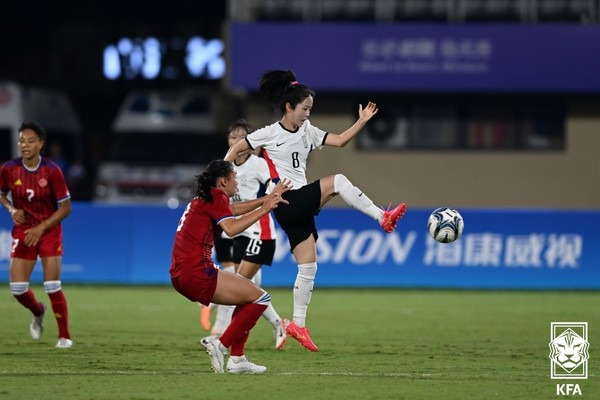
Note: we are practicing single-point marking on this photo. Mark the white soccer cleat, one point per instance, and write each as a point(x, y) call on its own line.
point(216, 352)
point(279, 333)
point(36, 328)
point(243, 366)
point(64, 343)
point(204, 340)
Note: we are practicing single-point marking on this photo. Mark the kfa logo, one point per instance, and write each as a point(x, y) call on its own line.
point(569, 350)
point(569, 354)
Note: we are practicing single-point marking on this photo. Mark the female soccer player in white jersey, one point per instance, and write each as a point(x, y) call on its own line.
point(286, 145)
point(255, 246)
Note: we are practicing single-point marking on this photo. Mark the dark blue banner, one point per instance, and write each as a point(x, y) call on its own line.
point(419, 57)
point(499, 249)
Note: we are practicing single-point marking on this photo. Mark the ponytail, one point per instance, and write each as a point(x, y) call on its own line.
point(281, 87)
point(208, 179)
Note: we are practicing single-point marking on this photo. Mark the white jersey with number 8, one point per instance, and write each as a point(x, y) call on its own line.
point(285, 151)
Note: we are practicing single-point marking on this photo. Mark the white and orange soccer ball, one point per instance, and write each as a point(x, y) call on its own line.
point(445, 224)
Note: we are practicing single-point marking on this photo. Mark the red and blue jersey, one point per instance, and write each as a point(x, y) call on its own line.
point(36, 191)
point(195, 234)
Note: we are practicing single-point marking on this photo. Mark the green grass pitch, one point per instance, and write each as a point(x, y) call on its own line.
point(141, 343)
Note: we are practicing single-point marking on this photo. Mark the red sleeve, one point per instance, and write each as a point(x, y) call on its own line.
point(58, 185)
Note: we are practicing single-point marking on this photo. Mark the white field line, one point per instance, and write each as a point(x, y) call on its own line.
point(108, 373)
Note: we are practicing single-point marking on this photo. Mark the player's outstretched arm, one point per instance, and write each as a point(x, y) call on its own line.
point(246, 206)
point(364, 115)
point(236, 149)
point(234, 226)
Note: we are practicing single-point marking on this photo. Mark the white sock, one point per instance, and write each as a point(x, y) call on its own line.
point(356, 198)
point(257, 278)
point(271, 315)
point(303, 291)
point(224, 313)
point(223, 319)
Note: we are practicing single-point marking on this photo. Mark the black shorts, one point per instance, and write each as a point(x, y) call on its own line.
point(253, 250)
point(297, 219)
point(224, 249)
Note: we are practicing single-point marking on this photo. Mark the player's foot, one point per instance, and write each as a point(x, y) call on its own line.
point(391, 217)
point(204, 340)
point(279, 333)
point(217, 352)
point(36, 328)
point(243, 366)
point(205, 317)
point(64, 343)
point(302, 335)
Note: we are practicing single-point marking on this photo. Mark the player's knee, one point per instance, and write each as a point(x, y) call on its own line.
point(340, 183)
point(52, 286)
point(19, 288)
point(264, 299)
point(307, 271)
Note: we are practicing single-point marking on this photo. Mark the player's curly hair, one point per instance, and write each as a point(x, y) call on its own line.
point(37, 129)
point(208, 179)
point(280, 87)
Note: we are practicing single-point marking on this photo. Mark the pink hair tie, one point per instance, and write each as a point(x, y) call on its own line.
point(294, 83)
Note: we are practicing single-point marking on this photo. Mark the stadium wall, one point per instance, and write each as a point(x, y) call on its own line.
point(500, 248)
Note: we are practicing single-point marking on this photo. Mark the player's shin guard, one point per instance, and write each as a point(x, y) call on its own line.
point(244, 319)
point(303, 291)
point(355, 198)
point(59, 307)
point(25, 296)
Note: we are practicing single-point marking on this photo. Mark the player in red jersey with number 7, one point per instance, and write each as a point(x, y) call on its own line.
point(286, 146)
point(40, 201)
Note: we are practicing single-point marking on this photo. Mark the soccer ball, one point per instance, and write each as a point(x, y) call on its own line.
point(445, 225)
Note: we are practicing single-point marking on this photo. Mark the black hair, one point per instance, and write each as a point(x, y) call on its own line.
point(240, 123)
point(208, 179)
point(280, 87)
point(35, 127)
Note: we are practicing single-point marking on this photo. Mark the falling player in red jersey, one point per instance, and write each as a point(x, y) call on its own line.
point(40, 201)
point(195, 276)
point(250, 250)
point(286, 146)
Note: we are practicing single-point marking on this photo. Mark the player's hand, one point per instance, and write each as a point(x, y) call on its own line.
point(368, 112)
point(33, 235)
point(282, 186)
point(273, 200)
point(18, 216)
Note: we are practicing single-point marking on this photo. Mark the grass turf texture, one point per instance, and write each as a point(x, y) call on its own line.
point(141, 343)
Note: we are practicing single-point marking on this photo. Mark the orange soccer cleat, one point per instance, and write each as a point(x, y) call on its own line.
point(302, 335)
point(391, 217)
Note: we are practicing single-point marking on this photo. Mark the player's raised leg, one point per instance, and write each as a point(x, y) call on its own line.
point(354, 197)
